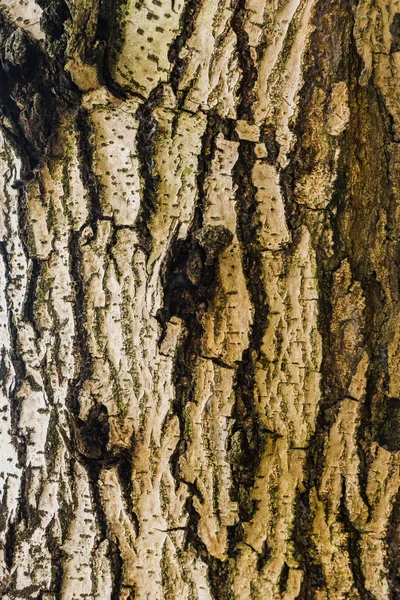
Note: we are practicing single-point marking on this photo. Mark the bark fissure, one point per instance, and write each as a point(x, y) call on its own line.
point(247, 421)
point(354, 548)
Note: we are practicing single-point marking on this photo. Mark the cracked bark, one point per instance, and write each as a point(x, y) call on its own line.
point(199, 308)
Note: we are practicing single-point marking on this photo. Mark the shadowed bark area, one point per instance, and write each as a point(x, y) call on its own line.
point(199, 307)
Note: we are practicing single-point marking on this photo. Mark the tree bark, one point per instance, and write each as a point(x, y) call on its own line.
point(199, 308)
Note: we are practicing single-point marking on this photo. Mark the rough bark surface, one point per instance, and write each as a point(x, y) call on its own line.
point(199, 306)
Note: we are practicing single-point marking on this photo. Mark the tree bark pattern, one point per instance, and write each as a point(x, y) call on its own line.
point(199, 261)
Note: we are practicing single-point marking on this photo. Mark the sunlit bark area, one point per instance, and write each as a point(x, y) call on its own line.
point(199, 299)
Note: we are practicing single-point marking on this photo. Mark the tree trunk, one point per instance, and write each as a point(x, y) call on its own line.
point(200, 311)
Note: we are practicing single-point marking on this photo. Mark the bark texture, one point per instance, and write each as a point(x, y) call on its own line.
point(199, 306)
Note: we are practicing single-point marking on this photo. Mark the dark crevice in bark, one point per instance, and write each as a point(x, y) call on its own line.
point(187, 25)
point(183, 380)
point(89, 179)
point(23, 220)
point(249, 70)
point(81, 350)
point(205, 159)
point(218, 570)
point(215, 125)
point(393, 553)
point(110, 29)
point(54, 22)
point(5, 373)
point(54, 14)
point(264, 556)
point(4, 512)
point(52, 440)
point(247, 429)
point(395, 31)
point(56, 554)
point(268, 137)
point(388, 433)
point(247, 422)
point(145, 143)
point(364, 434)
point(33, 86)
point(219, 578)
point(305, 549)
point(33, 278)
point(188, 273)
point(189, 277)
point(283, 579)
point(9, 544)
point(24, 86)
point(182, 269)
point(93, 471)
point(125, 461)
point(27, 517)
point(354, 550)
point(116, 563)
point(66, 509)
point(4, 256)
point(91, 435)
